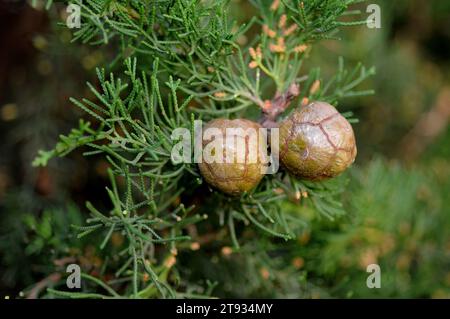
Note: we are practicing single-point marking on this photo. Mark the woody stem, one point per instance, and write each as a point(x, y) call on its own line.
point(278, 105)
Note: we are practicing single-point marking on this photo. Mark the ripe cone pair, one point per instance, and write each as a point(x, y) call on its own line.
point(316, 143)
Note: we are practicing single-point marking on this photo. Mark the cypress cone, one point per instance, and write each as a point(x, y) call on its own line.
point(316, 142)
point(237, 177)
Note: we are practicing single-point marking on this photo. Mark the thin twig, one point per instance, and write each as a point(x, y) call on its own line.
point(272, 109)
point(36, 290)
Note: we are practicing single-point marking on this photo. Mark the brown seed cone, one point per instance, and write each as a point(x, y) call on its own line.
point(316, 142)
point(236, 177)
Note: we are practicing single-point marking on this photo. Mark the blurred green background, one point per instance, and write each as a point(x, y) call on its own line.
point(398, 197)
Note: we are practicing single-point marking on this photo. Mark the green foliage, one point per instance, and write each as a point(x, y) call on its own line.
point(183, 61)
point(399, 220)
point(42, 239)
